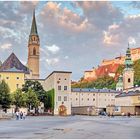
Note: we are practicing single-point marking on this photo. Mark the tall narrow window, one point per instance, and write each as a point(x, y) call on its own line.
point(65, 87)
point(129, 80)
point(34, 51)
point(65, 98)
point(59, 98)
point(59, 87)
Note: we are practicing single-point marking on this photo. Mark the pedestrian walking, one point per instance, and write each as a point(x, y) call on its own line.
point(108, 114)
point(123, 114)
point(17, 115)
point(21, 115)
point(24, 115)
point(128, 114)
point(112, 115)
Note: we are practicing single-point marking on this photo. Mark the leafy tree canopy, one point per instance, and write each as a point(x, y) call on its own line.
point(5, 99)
point(102, 82)
point(37, 88)
point(18, 98)
point(49, 104)
point(31, 99)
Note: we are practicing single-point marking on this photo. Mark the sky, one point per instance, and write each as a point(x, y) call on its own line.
point(74, 36)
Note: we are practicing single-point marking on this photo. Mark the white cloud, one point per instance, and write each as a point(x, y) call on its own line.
point(66, 57)
point(52, 61)
point(53, 49)
point(6, 46)
point(132, 41)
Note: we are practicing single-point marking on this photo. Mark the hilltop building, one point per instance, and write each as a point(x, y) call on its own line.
point(109, 67)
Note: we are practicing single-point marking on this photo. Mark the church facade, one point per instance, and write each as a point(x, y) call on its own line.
point(15, 74)
point(129, 98)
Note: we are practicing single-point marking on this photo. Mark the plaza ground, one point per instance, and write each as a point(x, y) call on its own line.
point(85, 127)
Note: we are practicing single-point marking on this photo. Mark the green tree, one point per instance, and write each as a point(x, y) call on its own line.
point(5, 99)
point(37, 88)
point(18, 98)
point(31, 99)
point(136, 67)
point(120, 69)
point(50, 99)
point(102, 82)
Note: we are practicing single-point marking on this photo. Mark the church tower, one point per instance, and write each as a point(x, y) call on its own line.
point(33, 49)
point(128, 73)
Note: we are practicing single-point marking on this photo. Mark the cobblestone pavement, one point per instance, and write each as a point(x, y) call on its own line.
point(85, 127)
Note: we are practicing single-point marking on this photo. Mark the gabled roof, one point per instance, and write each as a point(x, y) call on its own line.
point(58, 72)
point(106, 69)
point(12, 63)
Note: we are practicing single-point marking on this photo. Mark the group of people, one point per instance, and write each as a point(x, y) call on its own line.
point(110, 114)
point(20, 115)
point(127, 114)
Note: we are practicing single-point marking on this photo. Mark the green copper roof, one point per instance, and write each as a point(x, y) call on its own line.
point(128, 60)
point(34, 27)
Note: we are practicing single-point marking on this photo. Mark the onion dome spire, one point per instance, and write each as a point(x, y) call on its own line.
point(128, 60)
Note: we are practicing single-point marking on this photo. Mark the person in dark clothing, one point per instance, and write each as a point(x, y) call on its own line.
point(21, 115)
point(128, 114)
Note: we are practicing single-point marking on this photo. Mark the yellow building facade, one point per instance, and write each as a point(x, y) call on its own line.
point(13, 79)
point(13, 72)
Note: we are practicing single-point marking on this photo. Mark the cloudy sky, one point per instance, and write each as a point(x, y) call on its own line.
point(75, 36)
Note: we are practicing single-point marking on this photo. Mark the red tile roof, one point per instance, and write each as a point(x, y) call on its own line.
point(106, 69)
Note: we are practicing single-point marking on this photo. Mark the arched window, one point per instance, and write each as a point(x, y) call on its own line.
point(34, 51)
point(129, 80)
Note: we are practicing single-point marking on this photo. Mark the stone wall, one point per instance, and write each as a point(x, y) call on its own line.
point(84, 110)
point(122, 109)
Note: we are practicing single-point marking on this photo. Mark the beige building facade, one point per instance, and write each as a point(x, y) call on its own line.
point(126, 102)
point(98, 99)
point(60, 81)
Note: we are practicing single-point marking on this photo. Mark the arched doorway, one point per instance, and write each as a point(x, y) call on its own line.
point(62, 110)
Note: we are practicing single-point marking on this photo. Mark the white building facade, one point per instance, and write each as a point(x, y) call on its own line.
point(97, 98)
point(60, 81)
